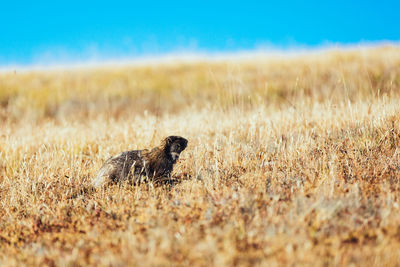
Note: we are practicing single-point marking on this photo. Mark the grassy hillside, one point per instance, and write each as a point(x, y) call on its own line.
point(291, 160)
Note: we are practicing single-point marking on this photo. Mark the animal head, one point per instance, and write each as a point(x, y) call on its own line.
point(174, 145)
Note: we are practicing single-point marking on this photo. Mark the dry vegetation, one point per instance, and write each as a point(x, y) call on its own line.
point(290, 161)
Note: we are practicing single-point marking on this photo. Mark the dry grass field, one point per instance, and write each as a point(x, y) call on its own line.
point(291, 161)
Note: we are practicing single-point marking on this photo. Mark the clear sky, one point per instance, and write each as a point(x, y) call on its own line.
point(39, 31)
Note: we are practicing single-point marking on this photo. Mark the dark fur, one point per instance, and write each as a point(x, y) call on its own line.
point(142, 165)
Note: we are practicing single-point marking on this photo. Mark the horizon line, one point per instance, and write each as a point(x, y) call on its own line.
point(176, 57)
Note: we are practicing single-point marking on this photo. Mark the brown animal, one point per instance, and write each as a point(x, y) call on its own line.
point(142, 165)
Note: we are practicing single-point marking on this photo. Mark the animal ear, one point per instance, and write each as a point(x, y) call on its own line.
point(169, 140)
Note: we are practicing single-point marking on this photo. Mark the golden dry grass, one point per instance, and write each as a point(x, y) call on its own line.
point(291, 161)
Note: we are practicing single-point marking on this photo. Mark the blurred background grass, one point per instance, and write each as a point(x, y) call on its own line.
point(116, 91)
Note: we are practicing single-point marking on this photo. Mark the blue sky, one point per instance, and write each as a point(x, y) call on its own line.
point(55, 31)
